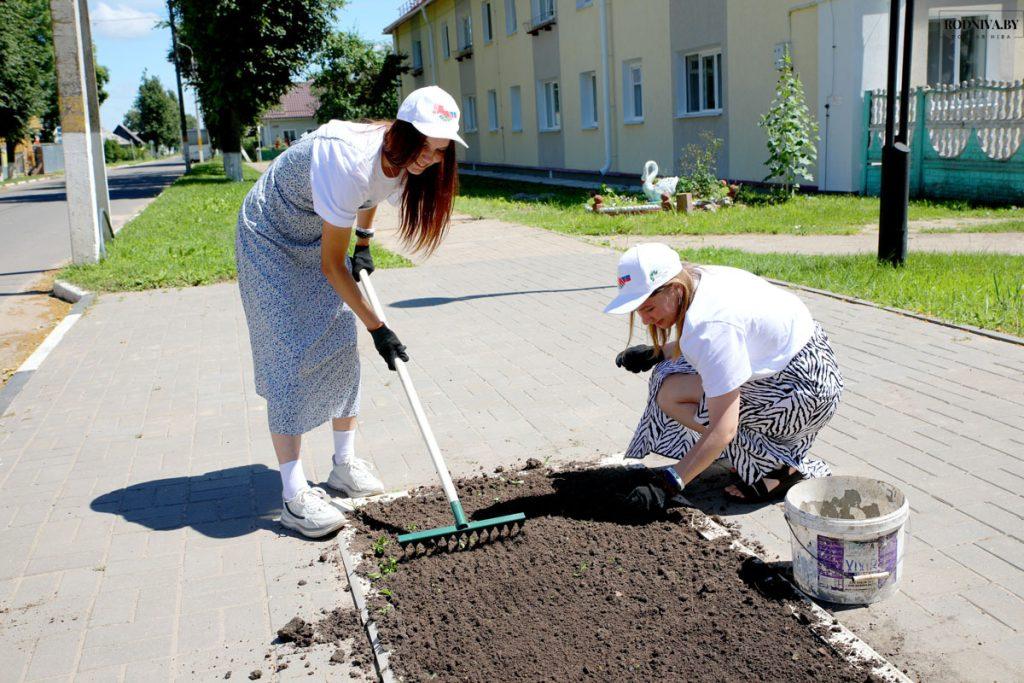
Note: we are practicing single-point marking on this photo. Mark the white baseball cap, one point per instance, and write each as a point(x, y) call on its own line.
point(433, 112)
point(642, 269)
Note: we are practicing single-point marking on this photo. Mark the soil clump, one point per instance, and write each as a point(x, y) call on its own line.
point(585, 591)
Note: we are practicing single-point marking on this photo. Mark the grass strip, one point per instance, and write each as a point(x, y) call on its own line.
point(983, 290)
point(562, 209)
point(185, 238)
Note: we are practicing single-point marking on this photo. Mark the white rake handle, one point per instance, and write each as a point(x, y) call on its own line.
point(414, 399)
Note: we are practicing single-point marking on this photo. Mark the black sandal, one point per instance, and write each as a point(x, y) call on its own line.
point(752, 494)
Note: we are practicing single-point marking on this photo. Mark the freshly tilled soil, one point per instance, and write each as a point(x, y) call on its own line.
point(586, 591)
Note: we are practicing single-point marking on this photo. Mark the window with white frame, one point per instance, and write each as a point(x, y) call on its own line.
point(466, 32)
point(515, 105)
point(957, 49)
point(549, 107)
point(446, 45)
point(632, 91)
point(699, 82)
point(417, 54)
point(492, 110)
point(488, 30)
point(588, 99)
point(510, 17)
point(469, 112)
point(542, 10)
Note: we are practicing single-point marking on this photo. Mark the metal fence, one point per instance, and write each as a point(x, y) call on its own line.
point(965, 146)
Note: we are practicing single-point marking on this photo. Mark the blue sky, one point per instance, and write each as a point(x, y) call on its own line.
point(127, 43)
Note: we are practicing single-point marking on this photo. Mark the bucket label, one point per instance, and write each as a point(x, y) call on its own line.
point(830, 563)
point(887, 553)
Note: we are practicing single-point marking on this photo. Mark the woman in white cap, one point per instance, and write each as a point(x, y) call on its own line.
point(299, 288)
point(747, 375)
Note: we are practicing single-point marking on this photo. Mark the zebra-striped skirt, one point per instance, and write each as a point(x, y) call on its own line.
point(780, 415)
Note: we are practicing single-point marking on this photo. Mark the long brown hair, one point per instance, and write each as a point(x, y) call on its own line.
point(426, 198)
point(685, 285)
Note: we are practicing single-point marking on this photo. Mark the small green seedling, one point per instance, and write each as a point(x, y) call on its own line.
point(380, 545)
point(388, 565)
point(580, 569)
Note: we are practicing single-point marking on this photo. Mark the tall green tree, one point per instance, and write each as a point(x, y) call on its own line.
point(791, 131)
point(357, 80)
point(243, 56)
point(154, 116)
point(22, 65)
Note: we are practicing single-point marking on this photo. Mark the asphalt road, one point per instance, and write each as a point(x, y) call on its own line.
point(34, 220)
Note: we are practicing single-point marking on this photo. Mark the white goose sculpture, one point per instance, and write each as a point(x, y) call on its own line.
point(654, 188)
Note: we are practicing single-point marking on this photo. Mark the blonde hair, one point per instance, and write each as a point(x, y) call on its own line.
point(685, 283)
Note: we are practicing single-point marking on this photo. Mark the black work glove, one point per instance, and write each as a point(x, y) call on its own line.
point(362, 260)
point(388, 346)
point(639, 358)
point(654, 497)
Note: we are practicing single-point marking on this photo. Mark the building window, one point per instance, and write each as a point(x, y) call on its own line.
point(542, 10)
point(417, 55)
point(510, 17)
point(446, 45)
point(633, 92)
point(466, 32)
point(469, 112)
point(492, 110)
point(957, 49)
point(699, 89)
point(515, 103)
point(289, 136)
point(580, 4)
point(549, 107)
point(488, 32)
point(588, 99)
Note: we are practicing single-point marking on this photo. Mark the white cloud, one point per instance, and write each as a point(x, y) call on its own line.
point(125, 20)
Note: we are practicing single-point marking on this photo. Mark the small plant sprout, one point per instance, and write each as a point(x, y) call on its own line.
point(388, 565)
point(380, 545)
point(583, 567)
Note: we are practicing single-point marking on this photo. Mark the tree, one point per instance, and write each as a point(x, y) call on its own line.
point(22, 61)
point(243, 55)
point(791, 131)
point(154, 116)
point(357, 80)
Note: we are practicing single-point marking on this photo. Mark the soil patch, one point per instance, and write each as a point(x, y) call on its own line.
point(586, 591)
point(25, 320)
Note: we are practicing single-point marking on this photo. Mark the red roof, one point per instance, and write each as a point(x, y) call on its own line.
point(298, 103)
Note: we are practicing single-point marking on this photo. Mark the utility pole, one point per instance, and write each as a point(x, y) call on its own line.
point(85, 172)
point(181, 99)
point(895, 185)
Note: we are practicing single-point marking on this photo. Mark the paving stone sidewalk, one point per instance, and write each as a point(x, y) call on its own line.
point(138, 487)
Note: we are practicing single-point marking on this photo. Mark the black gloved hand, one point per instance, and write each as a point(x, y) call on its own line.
point(388, 346)
point(362, 260)
point(639, 358)
point(646, 499)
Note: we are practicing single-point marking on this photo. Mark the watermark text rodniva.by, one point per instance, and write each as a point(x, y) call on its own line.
point(999, 25)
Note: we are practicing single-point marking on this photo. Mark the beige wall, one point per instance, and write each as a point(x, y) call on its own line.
point(580, 52)
point(516, 67)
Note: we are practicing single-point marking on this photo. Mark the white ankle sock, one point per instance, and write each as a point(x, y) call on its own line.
point(344, 446)
point(293, 479)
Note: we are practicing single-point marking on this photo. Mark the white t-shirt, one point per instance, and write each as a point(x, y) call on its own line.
point(740, 327)
point(346, 174)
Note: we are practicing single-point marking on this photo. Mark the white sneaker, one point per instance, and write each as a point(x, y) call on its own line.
point(355, 479)
point(312, 513)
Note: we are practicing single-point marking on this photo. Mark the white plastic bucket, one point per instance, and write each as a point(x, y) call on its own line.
point(847, 537)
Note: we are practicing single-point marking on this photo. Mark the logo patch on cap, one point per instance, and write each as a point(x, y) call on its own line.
point(444, 114)
point(624, 279)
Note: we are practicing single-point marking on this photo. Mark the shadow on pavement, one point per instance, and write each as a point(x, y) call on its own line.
point(221, 504)
point(134, 186)
point(442, 300)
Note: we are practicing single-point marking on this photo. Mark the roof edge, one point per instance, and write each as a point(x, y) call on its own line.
point(405, 17)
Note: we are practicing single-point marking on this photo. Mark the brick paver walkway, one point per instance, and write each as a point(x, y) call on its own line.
point(138, 489)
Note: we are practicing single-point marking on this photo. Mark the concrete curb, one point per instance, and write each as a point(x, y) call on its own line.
point(350, 563)
point(16, 183)
point(25, 371)
point(991, 334)
point(66, 291)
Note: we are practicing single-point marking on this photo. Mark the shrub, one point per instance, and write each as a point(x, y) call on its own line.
point(698, 164)
point(791, 132)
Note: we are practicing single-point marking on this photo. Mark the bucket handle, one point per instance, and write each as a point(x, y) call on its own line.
point(856, 578)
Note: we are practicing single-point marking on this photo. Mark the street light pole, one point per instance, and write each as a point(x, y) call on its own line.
point(895, 185)
point(181, 99)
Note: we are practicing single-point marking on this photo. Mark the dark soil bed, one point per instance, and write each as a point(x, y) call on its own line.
point(583, 592)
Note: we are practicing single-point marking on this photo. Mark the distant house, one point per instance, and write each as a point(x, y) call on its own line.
point(123, 136)
point(293, 116)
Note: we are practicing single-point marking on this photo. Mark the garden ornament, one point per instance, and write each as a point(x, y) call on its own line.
point(654, 187)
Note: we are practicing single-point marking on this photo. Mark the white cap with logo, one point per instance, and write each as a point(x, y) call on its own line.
point(642, 269)
point(433, 112)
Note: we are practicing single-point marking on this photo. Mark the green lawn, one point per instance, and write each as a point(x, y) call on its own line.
point(984, 290)
point(562, 209)
point(185, 238)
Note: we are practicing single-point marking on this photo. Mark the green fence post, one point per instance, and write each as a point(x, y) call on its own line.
point(917, 143)
point(865, 138)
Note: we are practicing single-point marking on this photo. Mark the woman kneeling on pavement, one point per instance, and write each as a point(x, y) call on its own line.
point(299, 287)
point(750, 376)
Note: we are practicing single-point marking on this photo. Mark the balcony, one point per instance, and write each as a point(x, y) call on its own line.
point(464, 53)
point(416, 71)
point(541, 22)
